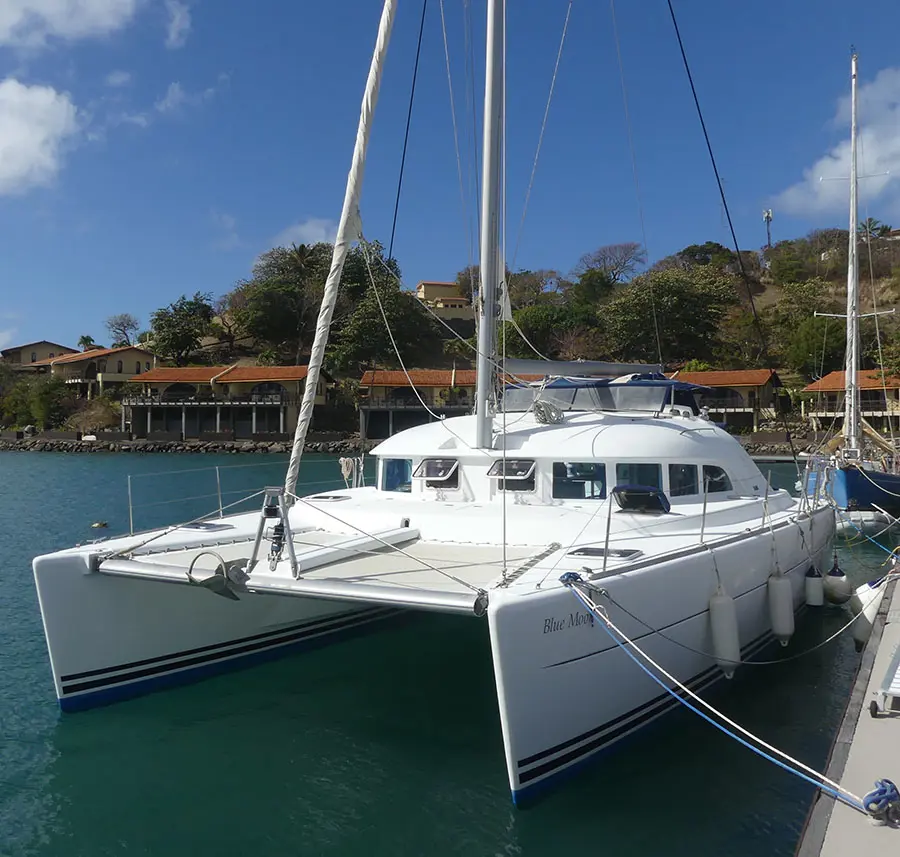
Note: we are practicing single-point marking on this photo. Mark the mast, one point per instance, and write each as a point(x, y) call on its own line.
point(348, 232)
point(851, 364)
point(491, 265)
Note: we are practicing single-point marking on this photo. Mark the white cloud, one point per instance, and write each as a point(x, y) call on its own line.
point(35, 123)
point(6, 337)
point(177, 96)
point(118, 78)
point(30, 23)
point(173, 99)
point(227, 227)
point(179, 24)
point(310, 231)
point(824, 188)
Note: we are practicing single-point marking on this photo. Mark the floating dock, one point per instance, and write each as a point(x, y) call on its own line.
point(866, 749)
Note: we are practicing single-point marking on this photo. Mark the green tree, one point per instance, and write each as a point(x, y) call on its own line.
point(620, 262)
point(690, 307)
point(816, 347)
point(591, 287)
point(16, 401)
point(363, 340)
point(531, 287)
point(871, 228)
point(122, 328)
point(178, 328)
point(49, 401)
point(85, 342)
point(549, 328)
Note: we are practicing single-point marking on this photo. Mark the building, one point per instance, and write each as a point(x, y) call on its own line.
point(390, 403)
point(98, 370)
point(445, 300)
point(216, 402)
point(879, 399)
point(740, 397)
point(31, 353)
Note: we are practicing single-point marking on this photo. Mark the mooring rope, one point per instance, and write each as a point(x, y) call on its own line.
point(876, 803)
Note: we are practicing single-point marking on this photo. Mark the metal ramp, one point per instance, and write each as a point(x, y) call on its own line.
point(890, 687)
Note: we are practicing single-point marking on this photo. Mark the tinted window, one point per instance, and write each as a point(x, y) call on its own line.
point(683, 480)
point(639, 473)
point(716, 479)
point(518, 473)
point(579, 481)
point(396, 474)
point(439, 472)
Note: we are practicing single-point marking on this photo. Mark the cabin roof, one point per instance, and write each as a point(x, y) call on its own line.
point(730, 377)
point(581, 437)
point(833, 382)
point(90, 354)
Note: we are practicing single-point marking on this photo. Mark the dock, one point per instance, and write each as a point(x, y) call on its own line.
point(866, 749)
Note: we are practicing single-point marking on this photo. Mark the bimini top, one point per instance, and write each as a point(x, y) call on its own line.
point(637, 392)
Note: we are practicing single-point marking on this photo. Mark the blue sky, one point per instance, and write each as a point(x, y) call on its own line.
point(150, 148)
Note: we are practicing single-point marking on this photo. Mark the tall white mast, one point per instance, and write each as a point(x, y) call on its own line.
point(851, 364)
point(348, 232)
point(491, 265)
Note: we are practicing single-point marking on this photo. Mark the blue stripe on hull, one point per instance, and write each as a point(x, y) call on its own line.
point(227, 662)
point(653, 710)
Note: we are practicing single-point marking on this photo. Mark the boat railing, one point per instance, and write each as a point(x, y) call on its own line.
point(211, 489)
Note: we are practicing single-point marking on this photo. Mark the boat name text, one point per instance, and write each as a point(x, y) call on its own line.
point(573, 620)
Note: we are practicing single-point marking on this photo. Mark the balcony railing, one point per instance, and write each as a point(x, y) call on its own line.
point(210, 401)
point(392, 404)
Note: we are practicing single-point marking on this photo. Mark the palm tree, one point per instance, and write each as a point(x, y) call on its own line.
point(86, 342)
point(872, 228)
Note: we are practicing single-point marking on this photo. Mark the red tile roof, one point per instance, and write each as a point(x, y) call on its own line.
point(419, 378)
point(426, 378)
point(184, 374)
point(264, 373)
point(90, 354)
point(222, 374)
point(730, 377)
point(833, 382)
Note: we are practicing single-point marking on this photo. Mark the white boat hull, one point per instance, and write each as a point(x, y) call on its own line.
point(567, 691)
point(111, 638)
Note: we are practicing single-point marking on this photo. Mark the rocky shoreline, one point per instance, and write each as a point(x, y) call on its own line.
point(347, 446)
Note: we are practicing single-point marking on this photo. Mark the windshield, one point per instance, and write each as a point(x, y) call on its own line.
point(608, 397)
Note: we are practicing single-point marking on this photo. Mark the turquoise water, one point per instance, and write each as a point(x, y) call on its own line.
point(383, 745)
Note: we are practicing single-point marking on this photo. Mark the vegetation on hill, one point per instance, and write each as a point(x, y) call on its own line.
point(691, 308)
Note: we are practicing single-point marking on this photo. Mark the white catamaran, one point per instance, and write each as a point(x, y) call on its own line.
point(608, 471)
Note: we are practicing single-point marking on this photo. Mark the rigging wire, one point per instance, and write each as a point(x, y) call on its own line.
point(412, 95)
point(474, 165)
point(875, 313)
point(740, 258)
point(634, 171)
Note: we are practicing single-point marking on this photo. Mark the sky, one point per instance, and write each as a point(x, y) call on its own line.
point(154, 148)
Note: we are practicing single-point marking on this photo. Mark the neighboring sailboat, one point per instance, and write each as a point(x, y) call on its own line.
point(864, 489)
point(614, 476)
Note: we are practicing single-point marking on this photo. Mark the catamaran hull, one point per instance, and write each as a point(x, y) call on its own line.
point(567, 691)
point(111, 638)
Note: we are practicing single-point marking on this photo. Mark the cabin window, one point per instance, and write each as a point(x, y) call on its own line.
point(639, 473)
point(578, 480)
point(513, 474)
point(396, 474)
point(683, 480)
point(52, 354)
point(716, 479)
point(438, 472)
